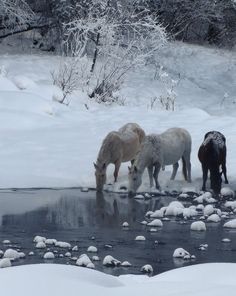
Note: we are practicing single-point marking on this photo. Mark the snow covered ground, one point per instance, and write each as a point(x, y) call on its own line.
point(46, 144)
point(52, 279)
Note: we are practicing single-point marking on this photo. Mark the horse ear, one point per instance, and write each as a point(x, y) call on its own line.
point(96, 167)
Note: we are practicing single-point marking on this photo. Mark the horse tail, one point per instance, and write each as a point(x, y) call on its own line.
point(184, 170)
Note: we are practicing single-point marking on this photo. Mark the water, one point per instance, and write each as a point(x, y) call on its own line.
point(86, 219)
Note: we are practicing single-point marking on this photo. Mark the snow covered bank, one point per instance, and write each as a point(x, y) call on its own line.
point(45, 144)
point(215, 279)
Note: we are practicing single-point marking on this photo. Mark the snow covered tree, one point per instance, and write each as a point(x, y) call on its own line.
point(15, 16)
point(115, 36)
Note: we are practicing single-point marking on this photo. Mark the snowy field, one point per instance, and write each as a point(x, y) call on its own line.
point(46, 144)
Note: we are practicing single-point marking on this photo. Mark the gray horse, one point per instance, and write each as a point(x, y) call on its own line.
point(156, 152)
point(117, 147)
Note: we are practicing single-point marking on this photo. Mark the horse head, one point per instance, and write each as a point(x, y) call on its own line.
point(216, 181)
point(100, 174)
point(135, 179)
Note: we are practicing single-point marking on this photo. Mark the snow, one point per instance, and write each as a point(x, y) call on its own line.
point(40, 245)
point(5, 262)
point(155, 223)
point(62, 244)
point(39, 238)
point(110, 261)
point(208, 210)
point(198, 226)
point(31, 123)
point(49, 255)
point(180, 253)
point(147, 268)
point(11, 254)
point(214, 218)
point(84, 261)
point(174, 208)
point(230, 224)
point(92, 249)
point(216, 279)
point(140, 238)
point(125, 224)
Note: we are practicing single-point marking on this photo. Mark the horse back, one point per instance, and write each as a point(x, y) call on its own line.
point(134, 128)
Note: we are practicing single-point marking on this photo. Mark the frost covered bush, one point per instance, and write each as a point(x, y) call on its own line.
point(115, 38)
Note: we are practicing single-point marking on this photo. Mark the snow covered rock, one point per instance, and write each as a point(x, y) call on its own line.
point(75, 249)
point(227, 192)
point(126, 264)
point(198, 226)
point(205, 198)
point(189, 212)
point(175, 208)
point(230, 224)
point(147, 268)
point(158, 213)
point(49, 255)
point(110, 261)
point(40, 245)
point(50, 241)
point(39, 238)
point(155, 223)
point(95, 258)
point(226, 240)
point(5, 262)
point(63, 244)
point(208, 210)
point(68, 254)
point(83, 260)
point(140, 238)
point(214, 218)
point(6, 242)
point(92, 249)
point(180, 253)
point(11, 254)
point(125, 224)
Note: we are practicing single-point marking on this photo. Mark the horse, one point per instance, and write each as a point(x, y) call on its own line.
point(159, 150)
point(212, 155)
point(117, 147)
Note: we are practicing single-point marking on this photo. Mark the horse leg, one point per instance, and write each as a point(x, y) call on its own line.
point(117, 167)
point(204, 177)
point(155, 175)
point(186, 158)
point(175, 168)
point(150, 172)
point(224, 172)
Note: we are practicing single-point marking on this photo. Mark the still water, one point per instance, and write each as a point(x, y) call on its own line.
point(86, 219)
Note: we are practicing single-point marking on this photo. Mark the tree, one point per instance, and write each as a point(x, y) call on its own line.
point(15, 17)
point(116, 36)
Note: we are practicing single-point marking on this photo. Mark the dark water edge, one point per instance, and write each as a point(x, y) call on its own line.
point(85, 219)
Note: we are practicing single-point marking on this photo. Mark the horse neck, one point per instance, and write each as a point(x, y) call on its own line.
point(143, 159)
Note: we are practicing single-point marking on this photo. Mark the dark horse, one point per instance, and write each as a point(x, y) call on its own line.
point(212, 155)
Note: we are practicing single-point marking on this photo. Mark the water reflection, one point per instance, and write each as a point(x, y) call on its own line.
point(74, 216)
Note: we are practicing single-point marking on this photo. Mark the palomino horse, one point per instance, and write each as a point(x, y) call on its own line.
point(118, 146)
point(212, 155)
point(156, 152)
